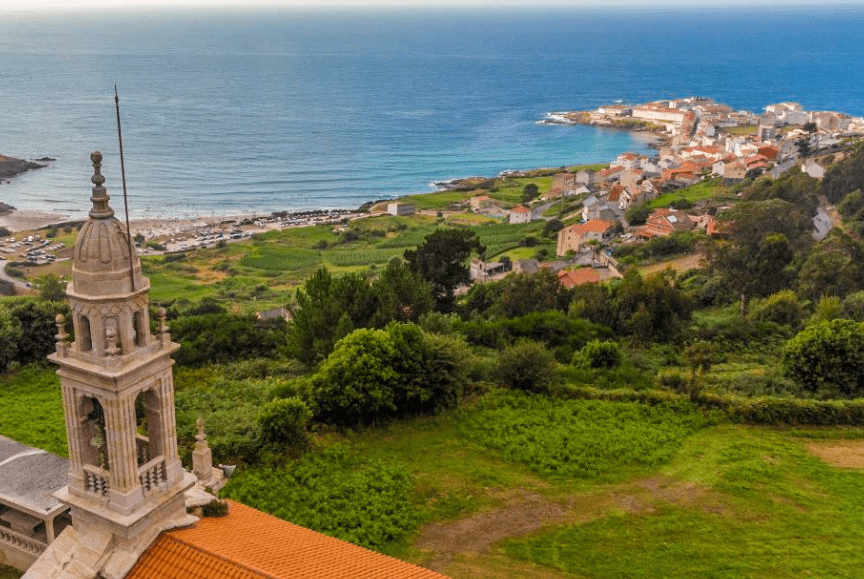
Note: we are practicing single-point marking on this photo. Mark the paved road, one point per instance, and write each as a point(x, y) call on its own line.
point(19, 285)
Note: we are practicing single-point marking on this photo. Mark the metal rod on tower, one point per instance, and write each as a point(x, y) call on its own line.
point(125, 200)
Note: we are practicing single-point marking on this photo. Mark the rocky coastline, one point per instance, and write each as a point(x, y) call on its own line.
point(10, 167)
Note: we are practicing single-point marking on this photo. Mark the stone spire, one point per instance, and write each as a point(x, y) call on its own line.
point(101, 209)
point(126, 483)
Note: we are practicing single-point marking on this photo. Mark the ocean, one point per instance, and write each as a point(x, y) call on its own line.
point(252, 111)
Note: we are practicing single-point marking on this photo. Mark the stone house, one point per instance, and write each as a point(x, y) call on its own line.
point(520, 214)
point(574, 237)
point(400, 209)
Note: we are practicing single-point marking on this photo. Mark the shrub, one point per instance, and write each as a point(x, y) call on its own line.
point(375, 375)
point(782, 308)
point(527, 366)
point(853, 307)
point(673, 380)
point(597, 354)
point(828, 358)
point(283, 422)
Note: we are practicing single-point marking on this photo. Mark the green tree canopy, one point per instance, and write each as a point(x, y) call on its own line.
point(827, 358)
point(441, 260)
point(835, 267)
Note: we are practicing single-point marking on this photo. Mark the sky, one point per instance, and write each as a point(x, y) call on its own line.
point(62, 5)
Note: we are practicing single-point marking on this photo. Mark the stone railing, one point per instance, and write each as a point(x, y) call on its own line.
point(96, 480)
point(143, 448)
point(152, 475)
point(23, 543)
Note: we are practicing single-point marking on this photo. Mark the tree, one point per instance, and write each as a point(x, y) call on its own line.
point(810, 127)
point(835, 267)
point(375, 375)
point(10, 333)
point(215, 338)
point(440, 260)
point(827, 358)
point(762, 240)
point(283, 422)
point(637, 214)
point(803, 146)
point(527, 366)
point(51, 289)
point(844, 177)
point(356, 383)
point(37, 321)
point(326, 310)
point(402, 294)
point(552, 227)
point(529, 193)
point(521, 293)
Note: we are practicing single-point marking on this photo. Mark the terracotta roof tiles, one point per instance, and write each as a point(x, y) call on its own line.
point(249, 544)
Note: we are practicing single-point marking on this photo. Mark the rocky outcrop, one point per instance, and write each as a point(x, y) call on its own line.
point(9, 166)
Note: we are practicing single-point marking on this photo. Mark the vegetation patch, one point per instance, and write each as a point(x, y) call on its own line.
point(581, 438)
point(336, 493)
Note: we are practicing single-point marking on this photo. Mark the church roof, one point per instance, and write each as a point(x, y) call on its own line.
point(249, 544)
point(30, 476)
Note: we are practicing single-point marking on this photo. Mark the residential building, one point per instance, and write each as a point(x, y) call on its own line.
point(574, 237)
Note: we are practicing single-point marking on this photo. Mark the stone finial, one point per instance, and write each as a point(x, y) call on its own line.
point(62, 336)
point(202, 456)
point(201, 437)
point(164, 336)
point(100, 197)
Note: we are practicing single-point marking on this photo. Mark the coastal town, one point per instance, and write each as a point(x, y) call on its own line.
point(698, 140)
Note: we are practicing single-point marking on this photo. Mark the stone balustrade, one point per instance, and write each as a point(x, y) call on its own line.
point(23, 543)
point(152, 475)
point(96, 480)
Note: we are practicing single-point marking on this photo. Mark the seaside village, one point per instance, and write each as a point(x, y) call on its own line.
point(699, 140)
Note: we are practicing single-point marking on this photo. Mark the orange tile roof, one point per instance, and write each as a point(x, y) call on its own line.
point(573, 277)
point(249, 544)
point(594, 225)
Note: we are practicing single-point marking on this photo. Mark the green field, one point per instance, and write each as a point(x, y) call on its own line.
point(572, 488)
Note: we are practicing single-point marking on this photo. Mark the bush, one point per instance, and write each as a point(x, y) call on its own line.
point(827, 358)
point(283, 422)
point(216, 338)
point(375, 375)
point(597, 354)
point(527, 366)
point(782, 308)
point(853, 307)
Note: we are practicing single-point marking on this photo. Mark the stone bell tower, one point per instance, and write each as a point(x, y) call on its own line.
point(126, 483)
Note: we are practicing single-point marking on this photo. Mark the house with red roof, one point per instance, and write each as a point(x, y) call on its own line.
point(574, 237)
point(520, 214)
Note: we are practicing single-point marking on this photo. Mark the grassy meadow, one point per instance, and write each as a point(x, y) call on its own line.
point(512, 485)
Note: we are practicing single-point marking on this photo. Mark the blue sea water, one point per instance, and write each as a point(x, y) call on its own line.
point(238, 111)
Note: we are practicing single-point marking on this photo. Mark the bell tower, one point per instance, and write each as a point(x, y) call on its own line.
point(126, 483)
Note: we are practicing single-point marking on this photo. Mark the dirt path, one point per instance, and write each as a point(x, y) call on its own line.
point(841, 453)
point(679, 264)
point(451, 544)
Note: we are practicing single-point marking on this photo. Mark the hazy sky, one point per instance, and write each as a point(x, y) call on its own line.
point(57, 5)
